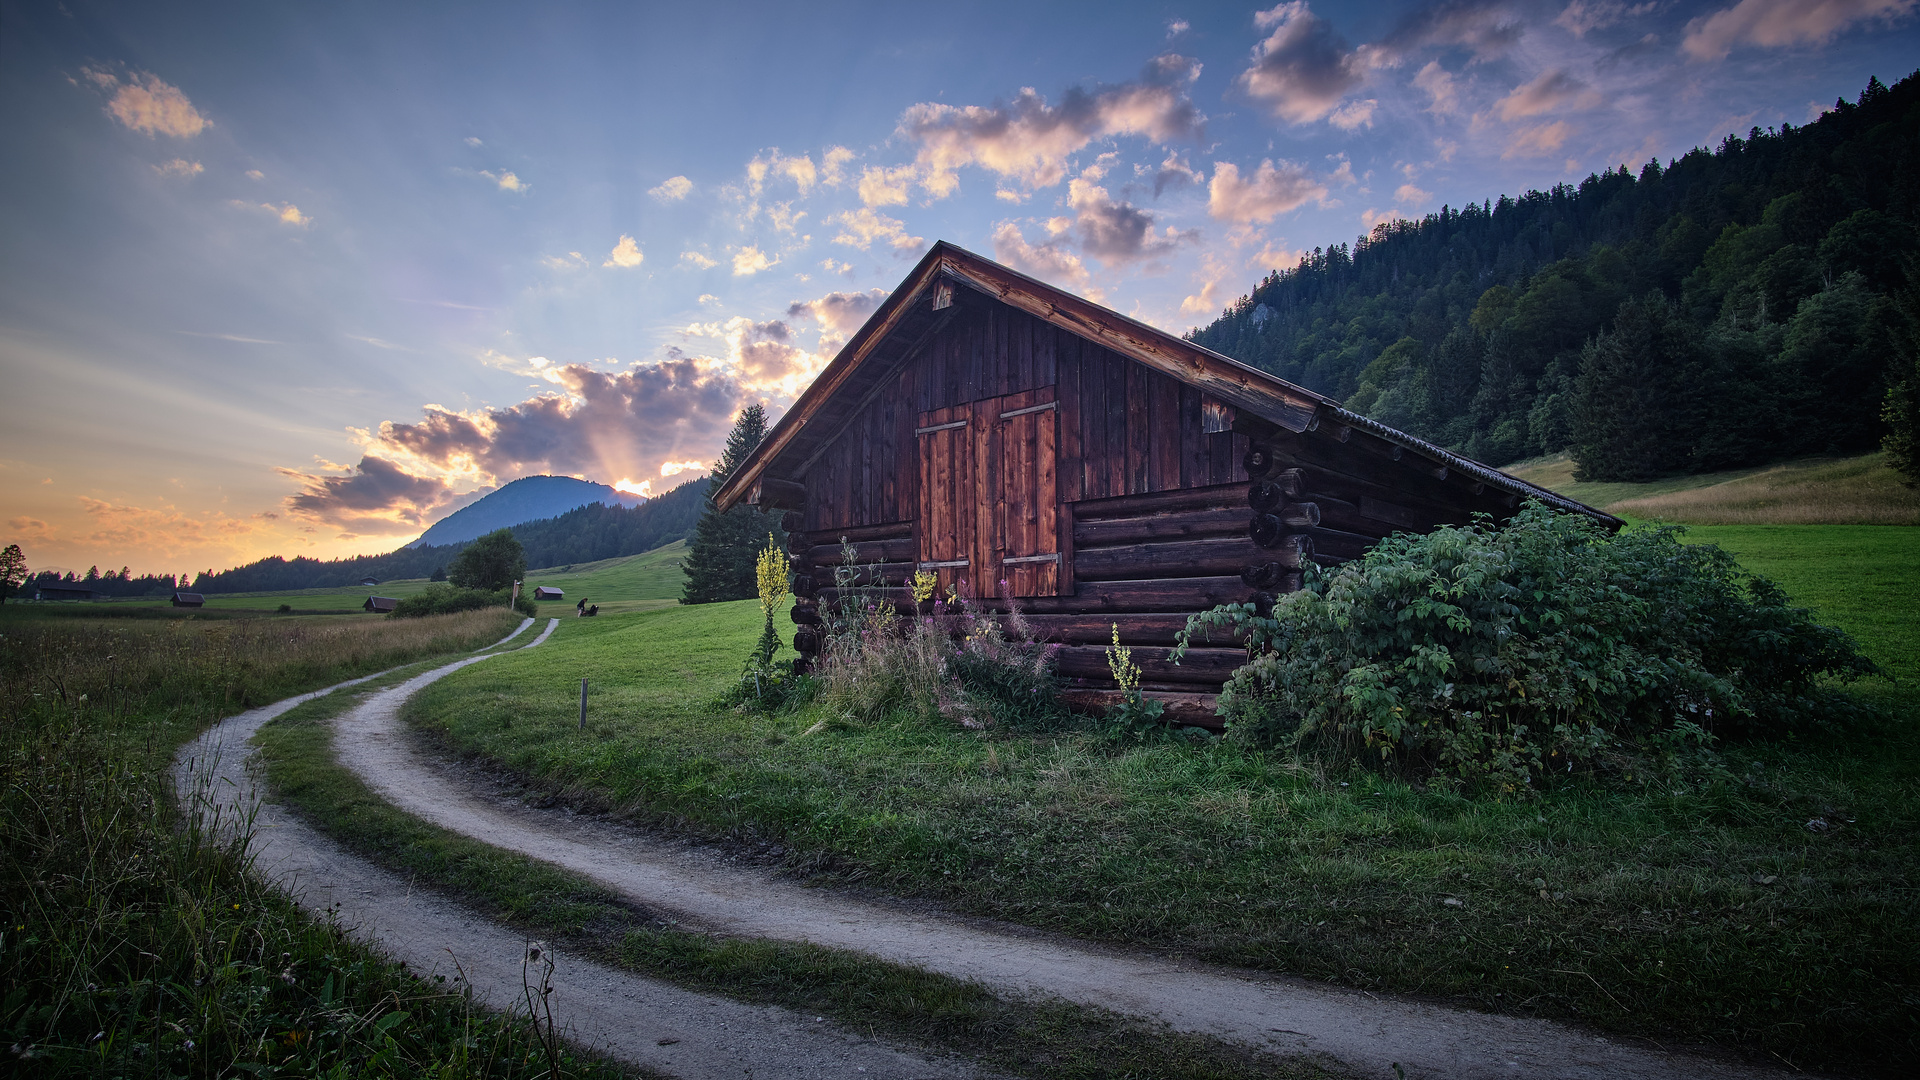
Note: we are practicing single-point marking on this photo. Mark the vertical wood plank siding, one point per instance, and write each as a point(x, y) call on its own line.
point(1123, 430)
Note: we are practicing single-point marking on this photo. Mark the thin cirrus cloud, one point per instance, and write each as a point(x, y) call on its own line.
point(1582, 17)
point(147, 104)
point(1028, 140)
point(1773, 24)
point(1547, 92)
point(180, 167)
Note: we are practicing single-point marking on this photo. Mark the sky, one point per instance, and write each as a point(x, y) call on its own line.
point(302, 279)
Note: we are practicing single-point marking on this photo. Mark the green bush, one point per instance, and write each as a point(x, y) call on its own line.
point(445, 600)
point(1499, 656)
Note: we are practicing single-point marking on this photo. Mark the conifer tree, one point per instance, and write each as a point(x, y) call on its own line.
point(720, 560)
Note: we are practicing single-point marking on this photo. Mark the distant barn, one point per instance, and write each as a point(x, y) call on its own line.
point(380, 605)
point(547, 592)
point(1041, 448)
point(369, 581)
point(67, 591)
point(188, 599)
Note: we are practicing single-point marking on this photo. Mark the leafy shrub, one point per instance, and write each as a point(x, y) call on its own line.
point(445, 600)
point(951, 658)
point(1498, 655)
point(493, 562)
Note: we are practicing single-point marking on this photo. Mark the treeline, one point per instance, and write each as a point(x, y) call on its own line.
point(1731, 308)
point(590, 533)
point(122, 583)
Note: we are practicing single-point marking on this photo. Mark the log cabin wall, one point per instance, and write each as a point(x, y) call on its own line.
point(1154, 506)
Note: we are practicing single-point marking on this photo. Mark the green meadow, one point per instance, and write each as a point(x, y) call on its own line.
point(1688, 904)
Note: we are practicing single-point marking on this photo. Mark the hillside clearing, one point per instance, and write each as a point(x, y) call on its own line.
point(1822, 491)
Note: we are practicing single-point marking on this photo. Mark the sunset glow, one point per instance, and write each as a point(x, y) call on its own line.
point(644, 488)
point(271, 291)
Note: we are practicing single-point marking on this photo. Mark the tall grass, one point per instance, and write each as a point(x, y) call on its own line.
point(136, 941)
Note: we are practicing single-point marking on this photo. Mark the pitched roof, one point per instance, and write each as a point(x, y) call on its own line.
point(903, 323)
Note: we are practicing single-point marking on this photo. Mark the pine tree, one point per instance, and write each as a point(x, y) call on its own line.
point(720, 560)
point(1636, 389)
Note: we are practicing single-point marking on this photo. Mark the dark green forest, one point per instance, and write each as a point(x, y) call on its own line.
point(592, 532)
point(1734, 307)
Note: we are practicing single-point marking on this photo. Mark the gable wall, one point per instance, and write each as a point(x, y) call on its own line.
point(1124, 428)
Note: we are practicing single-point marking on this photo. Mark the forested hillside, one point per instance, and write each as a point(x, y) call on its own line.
point(592, 532)
point(1734, 307)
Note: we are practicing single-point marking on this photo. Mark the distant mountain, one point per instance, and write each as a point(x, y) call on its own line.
point(529, 498)
point(584, 534)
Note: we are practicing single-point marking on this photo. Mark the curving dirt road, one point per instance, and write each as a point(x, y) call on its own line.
point(636, 1020)
point(1363, 1032)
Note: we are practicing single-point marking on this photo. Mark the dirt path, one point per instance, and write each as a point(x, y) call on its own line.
point(635, 1020)
point(1365, 1032)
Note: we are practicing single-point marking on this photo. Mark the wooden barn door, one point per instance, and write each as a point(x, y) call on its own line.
point(989, 498)
point(947, 495)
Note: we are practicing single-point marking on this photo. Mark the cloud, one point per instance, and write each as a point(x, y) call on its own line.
point(1440, 86)
point(473, 141)
point(596, 423)
point(1582, 17)
point(1483, 28)
point(1301, 70)
point(1176, 27)
point(1549, 91)
point(838, 313)
point(1538, 141)
point(506, 181)
point(376, 496)
point(1115, 232)
point(1353, 114)
point(1773, 24)
point(784, 217)
point(832, 267)
point(1029, 140)
point(256, 174)
point(573, 260)
point(800, 170)
point(1411, 195)
point(625, 254)
point(144, 103)
point(180, 167)
point(881, 186)
point(672, 189)
point(862, 228)
point(672, 468)
point(751, 260)
point(1372, 218)
point(1206, 300)
point(698, 260)
point(1174, 172)
point(762, 356)
point(1272, 191)
point(29, 528)
point(833, 165)
point(286, 212)
point(167, 530)
point(1050, 261)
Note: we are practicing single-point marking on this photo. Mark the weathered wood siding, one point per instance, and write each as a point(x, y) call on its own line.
point(1124, 429)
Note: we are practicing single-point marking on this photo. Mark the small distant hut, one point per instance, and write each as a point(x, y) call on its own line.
point(189, 599)
point(66, 591)
point(380, 605)
point(369, 582)
point(548, 592)
point(993, 429)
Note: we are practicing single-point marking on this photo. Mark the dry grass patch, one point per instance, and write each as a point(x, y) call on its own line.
point(1847, 491)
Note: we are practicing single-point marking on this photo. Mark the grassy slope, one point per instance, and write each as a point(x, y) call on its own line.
point(1693, 907)
point(1849, 491)
point(628, 583)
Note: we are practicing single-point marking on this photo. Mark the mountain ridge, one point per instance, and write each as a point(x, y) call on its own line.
point(530, 498)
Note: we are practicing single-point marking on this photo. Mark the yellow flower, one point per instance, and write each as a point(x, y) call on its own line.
point(771, 572)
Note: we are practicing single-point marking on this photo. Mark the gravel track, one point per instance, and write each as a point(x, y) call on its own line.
point(635, 1020)
point(630, 1017)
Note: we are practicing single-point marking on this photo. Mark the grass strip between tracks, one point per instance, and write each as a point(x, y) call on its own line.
point(1045, 1037)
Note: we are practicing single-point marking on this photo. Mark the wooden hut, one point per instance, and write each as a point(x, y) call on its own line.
point(548, 592)
point(189, 599)
point(1097, 471)
point(380, 605)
